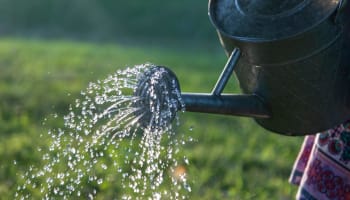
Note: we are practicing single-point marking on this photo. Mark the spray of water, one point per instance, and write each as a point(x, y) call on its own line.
point(118, 133)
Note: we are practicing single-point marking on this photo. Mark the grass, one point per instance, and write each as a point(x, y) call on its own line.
point(232, 158)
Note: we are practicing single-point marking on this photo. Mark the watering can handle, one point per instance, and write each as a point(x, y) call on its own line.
point(226, 73)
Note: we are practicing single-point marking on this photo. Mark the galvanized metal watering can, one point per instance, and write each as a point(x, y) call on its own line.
point(291, 58)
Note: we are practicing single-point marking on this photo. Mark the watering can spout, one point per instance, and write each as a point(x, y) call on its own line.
point(238, 105)
point(248, 105)
point(163, 82)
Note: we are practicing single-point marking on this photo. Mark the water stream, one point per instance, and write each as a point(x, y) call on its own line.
point(112, 137)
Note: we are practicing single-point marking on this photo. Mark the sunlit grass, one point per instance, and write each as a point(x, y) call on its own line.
point(231, 158)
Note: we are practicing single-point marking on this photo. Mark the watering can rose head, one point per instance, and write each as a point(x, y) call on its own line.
point(158, 97)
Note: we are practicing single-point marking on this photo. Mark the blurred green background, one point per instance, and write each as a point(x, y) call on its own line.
point(51, 49)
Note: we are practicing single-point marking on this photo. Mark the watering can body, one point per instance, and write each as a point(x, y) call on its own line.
point(292, 61)
point(295, 56)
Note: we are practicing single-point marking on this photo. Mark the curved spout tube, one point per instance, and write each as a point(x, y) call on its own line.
point(158, 79)
point(248, 105)
point(238, 105)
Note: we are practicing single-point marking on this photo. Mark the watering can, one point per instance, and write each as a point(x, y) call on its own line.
point(292, 61)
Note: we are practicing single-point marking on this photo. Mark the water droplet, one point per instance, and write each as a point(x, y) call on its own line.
point(73, 150)
point(104, 166)
point(186, 161)
point(110, 122)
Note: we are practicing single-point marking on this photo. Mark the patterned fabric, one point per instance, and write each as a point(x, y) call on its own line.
point(322, 169)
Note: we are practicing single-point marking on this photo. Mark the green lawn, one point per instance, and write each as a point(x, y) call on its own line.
point(232, 158)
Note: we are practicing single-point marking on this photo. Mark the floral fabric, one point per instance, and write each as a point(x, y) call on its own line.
point(322, 169)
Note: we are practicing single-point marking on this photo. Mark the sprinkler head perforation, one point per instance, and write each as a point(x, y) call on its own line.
point(158, 97)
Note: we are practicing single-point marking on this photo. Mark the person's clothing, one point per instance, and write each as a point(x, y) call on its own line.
point(322, 169)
